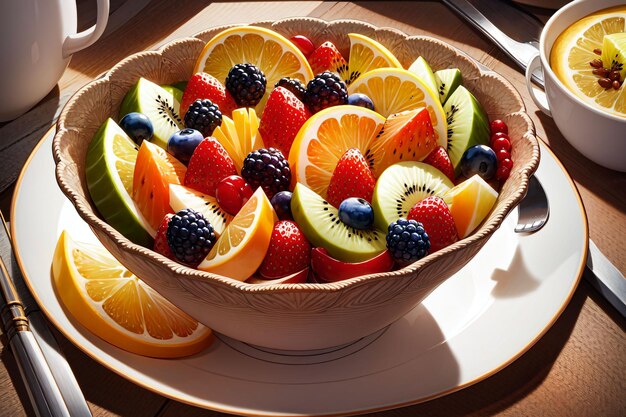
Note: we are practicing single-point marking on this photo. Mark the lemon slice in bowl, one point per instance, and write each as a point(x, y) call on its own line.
point(110, 164)
point(365, 55)
point(271, 52)
point(240, 250)
point(118, 307)
point(574, 49)
point(325, 137)
point(394, 90)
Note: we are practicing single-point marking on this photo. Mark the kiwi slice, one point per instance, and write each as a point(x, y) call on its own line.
point(319, 221)
point(182, 197)
point(468, 124)
point(421, 68)
point(401, 186)
point(159, 105)
point(447, 82)
point(177, 93)
point(614, 52)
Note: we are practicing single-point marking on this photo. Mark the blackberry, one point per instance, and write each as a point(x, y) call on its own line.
point(267, 168)
point(247, 84)
point(294, 85)
point(407, 240)
point(190, 236)
point(325, 90)
point(204, 116)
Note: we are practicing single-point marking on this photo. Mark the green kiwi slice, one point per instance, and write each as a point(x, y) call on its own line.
point(421, 68)
point(401, 186)
point(447, 82)
point(319, 221)
point(468, 124)
point(159, 105)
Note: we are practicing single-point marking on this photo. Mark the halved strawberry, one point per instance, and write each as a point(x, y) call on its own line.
point(160, 240)
point(329, 269)
point(439, 158)
point(352, 177)
point(327, 58)
point(282, 118)
point(434, 214)
point(203, 85)
point(209, 164)
point(289, 251)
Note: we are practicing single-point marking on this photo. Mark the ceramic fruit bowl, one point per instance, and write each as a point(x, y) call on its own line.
point(290, 316)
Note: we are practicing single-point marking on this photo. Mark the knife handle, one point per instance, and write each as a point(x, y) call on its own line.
point(42, 389)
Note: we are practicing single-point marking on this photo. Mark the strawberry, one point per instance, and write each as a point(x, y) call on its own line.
point(203, 85)
point(352, 177)
point(282, 118)
point(209, 164)
point(327, 58)
point(434, 214)
point(289, 251)
point(160, 241)
point(439, 159)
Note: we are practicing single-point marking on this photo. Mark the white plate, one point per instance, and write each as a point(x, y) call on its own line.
point(476, 323)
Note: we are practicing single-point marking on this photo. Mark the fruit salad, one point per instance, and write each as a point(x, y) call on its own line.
point(283, 161)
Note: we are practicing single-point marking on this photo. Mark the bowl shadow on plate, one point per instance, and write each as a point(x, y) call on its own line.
point(514, 281)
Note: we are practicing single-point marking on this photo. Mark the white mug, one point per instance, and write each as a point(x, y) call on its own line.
point(37, 40)
point(598, 135)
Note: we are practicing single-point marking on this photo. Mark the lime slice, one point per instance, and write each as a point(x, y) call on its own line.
point(110, 165)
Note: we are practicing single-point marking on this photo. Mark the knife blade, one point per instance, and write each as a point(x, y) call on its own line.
point(62, 379)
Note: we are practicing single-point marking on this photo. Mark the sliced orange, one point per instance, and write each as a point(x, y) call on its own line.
point(470, 202)
point(155, 170)
point(112, 303)
point(394, 90)
point(573, 50)
point(325, 137)
point(406, 136)
point(271, 52)
point(366, 54)
point(239, 135)
point(240, 250)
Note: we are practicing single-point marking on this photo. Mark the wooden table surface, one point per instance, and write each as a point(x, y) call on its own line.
point(578, 368)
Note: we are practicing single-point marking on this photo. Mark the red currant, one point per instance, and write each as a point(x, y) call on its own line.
point(232, 193)
point(304, 44)
point(506, 162)
point(499, 126)
point(501, 143)
point(502, 154)
point(503, 172)
point(497, 136)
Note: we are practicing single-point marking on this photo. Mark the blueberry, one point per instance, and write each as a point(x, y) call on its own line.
point(361, 100)
point(182, 144)
point(137, 126)
point(357, 213)
point(481, 160)
point(281, 202)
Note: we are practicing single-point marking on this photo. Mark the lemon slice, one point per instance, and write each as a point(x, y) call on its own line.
point(469, 203)
point(239, 135)
point(271, 52)
point(109, 171)
point(118, 307)
point(394, 90)
point(325, 137)
point(365, 55)
point(573, 50)
point(241, 248)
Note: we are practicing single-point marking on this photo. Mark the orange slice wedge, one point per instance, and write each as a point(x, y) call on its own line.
point(366, 54)
point(118, 307)
point(470, 202)
point(241, 248)
point(325, 137)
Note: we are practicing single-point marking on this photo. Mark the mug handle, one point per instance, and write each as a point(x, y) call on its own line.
point(78, 41)
point(535, 63)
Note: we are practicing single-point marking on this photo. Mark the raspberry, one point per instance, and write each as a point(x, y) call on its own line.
point(325, 90)
point(190, 236)
point(294, 85)
point(247, 84)
point(407, 240)
point(267, 168)
point(204, 116)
